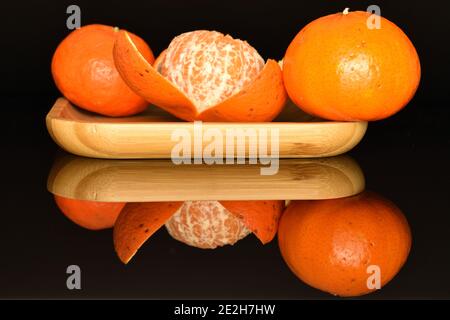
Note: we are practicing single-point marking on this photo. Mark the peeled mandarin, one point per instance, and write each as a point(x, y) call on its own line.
point(206, 76)
point(209, 66)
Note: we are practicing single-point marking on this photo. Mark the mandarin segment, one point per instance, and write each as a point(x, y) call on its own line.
point(206, 225)
point(332, 245)
point(158, 61)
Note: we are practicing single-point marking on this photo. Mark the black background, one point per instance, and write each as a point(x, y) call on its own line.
point(405, 158)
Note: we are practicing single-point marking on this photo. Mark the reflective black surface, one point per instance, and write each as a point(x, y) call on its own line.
point(406, 162)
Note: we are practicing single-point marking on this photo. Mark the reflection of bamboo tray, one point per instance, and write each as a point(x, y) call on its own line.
point(149, 135)
point(161, 180)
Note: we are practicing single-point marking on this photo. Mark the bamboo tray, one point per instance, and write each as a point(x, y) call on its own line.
point(148, 135)
point(161, 180)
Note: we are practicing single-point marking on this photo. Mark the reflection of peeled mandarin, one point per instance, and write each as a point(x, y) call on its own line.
point(338, 245)
point(202, 224)
point(206, 225)
point(93, 215)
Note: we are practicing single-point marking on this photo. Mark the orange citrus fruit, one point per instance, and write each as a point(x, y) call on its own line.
point(336, 245)
point(202, 224)
point(93, 215)
point(84, 71)
point(338, 68)
point(204, 75)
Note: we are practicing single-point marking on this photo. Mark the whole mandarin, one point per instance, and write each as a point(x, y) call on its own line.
point(341, 67)
point(84, 71)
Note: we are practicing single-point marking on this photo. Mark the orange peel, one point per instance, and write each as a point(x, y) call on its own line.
point(140, 75)
point(137, 223)
point(262, 100)
point(259, 101)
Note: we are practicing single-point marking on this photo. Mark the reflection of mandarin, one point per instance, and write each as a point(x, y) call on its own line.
point(94, 215)
point(206, 225)
point(338, 68)
point(209, 66)
point(332, 244)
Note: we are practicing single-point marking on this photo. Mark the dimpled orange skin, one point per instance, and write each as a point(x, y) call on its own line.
point(84, 71)
point(137, 222)
point(92, 215)
point(337, 68)
point(330, 243)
